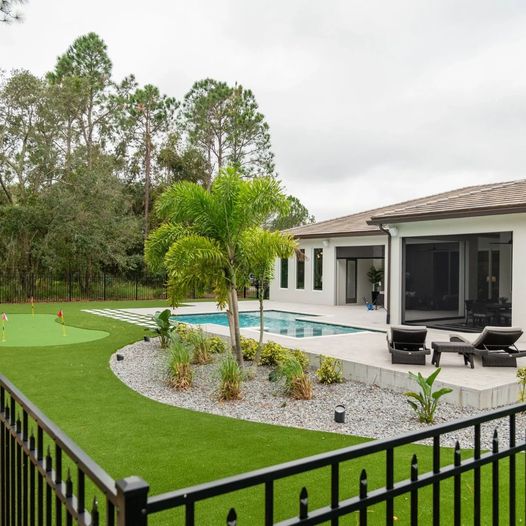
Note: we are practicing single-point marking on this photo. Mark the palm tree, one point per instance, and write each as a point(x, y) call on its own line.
point(261, 248)
point(203, 240)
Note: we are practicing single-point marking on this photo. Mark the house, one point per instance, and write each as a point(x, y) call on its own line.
point(455, 258)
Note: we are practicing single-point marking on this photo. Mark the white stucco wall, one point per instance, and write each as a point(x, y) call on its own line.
point(327, 296)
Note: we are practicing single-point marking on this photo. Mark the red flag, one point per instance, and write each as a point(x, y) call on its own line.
point(4, 316)
point(60, 314)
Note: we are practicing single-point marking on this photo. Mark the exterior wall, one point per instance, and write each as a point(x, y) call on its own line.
point(515, 223)
point(329, 294)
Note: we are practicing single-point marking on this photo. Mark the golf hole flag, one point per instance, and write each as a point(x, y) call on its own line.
point(60, 315)
point(4, 320)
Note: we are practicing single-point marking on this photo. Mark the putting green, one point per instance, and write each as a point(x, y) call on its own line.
point(24, 330)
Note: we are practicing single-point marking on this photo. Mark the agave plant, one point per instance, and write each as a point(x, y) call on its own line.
point(164, 327)
point(425, 402)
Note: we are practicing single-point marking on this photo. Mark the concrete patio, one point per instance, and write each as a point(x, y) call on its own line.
point(365, 356)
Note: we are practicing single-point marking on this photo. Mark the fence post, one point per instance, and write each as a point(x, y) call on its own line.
point(104, 286)
point(132, 493)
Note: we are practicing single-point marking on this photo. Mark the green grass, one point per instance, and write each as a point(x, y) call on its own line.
point(128, 434)
point(42, 330)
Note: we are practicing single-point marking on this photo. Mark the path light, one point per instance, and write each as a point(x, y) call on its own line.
point(339, 414)
point(146, 338)
point(120, 357)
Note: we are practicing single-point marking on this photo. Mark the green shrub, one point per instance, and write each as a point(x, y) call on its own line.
point(163, 326)
point(249, 348)
point(302, 358)
point(273, 354)
point(181, 373)
point(216, 345)
point(199, 343)
point(330, 371)
point(183, 331)
point(230, 379)
point(297, 383)
point(426, 400)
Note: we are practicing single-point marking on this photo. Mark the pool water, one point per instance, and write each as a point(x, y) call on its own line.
point(276, 322)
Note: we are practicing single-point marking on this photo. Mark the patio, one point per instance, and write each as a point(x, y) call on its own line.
point(365, 357)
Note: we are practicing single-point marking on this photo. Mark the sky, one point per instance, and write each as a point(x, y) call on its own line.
point(369, 103)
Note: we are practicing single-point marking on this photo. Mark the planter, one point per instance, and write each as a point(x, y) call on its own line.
point(374, 296)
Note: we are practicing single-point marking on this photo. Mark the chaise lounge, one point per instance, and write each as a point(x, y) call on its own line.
point(407, 344)
point(496, 346)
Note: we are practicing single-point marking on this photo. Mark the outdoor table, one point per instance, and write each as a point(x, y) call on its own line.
point(465, 349)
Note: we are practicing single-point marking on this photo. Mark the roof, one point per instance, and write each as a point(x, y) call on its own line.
point(480, 200)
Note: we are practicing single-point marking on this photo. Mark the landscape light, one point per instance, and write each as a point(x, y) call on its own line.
point(120, 357)
point(339, 414)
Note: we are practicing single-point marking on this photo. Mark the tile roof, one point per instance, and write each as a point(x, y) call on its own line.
point(495, 198)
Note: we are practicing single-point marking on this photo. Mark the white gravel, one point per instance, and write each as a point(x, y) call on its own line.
point(370, 410)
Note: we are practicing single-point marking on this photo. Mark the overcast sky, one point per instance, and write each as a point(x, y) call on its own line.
point(368, 103)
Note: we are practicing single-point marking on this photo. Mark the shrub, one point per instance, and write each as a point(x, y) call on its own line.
point(521, 378)
point(297, 383)
point(249, 347)
point(200, 343)
point(302, 358)
point(216, 345)
point(426, 400)
point(273, 354)
point(180, 368)
point(330, 371)
point(230, 379)
point(183, 331)
point(163, 326)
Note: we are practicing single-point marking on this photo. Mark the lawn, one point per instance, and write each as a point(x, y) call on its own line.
point(169, 447)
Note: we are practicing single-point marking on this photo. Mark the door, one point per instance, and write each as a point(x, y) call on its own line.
point(350, 281)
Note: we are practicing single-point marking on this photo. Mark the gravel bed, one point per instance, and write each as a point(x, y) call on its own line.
point(370, 410)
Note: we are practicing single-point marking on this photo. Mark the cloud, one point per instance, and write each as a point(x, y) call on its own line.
point(368, 102)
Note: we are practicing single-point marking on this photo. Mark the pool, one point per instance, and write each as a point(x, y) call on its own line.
point(276, 322)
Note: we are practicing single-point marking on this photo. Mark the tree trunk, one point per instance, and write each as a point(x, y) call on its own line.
point(147, 176)
point(261, 294)
point(235, 325)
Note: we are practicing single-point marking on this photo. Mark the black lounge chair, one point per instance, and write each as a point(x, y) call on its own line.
point(496, 346)
point(407, 344)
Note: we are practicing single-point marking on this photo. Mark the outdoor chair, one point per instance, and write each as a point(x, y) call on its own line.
point(481, 314)
point(496, 346)
point(407, 344)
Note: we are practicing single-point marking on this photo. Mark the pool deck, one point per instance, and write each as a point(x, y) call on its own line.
point(365, 356)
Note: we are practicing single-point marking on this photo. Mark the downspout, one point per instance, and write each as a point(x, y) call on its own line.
point(388, 291)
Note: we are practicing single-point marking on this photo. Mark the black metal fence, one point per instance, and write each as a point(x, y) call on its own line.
point(89, 286)
point(46, 478)
point(79, 286)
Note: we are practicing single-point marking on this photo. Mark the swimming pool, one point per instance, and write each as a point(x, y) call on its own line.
point(276, 322)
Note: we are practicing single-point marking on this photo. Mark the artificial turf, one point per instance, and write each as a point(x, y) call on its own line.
point(43, 330)
point(128, 434)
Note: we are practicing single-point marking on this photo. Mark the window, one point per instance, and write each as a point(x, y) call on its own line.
point(318, 268)
point(300, 269)
point(284, 281)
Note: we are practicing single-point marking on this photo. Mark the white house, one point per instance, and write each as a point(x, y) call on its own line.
point(455, 258)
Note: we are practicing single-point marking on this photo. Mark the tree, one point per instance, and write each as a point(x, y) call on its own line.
point(148, 115)
point(182, 162)
point(296, 215)
point(7, 11)
point(260, 249)
point(201, 243)
point(224, 122)
point(21, 97)
point(87, 67)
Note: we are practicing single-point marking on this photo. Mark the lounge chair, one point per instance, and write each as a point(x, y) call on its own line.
point(496, 346)
point(407, 344)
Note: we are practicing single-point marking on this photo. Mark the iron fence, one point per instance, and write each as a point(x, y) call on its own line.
point(46, 478)
point(79, 286)
point(97, 286)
